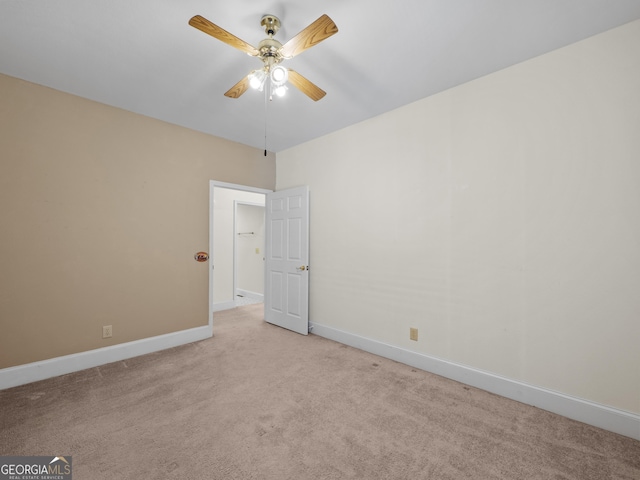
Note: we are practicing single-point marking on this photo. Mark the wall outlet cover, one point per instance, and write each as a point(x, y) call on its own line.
point(413, 334)
point(107, 331)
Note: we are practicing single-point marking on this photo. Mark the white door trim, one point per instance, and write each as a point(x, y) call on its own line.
point(233, 186)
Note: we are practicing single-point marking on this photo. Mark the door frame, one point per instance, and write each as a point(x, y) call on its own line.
point(232, 186)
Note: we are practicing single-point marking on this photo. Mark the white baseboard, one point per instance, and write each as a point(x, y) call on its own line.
point(601, 416)
point(248, 294)
point(218, 307)
point(32, 372)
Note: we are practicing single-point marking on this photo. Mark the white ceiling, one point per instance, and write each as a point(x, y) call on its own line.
point(142, 55)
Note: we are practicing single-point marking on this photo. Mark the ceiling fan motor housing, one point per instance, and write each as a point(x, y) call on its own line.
point(270, 48)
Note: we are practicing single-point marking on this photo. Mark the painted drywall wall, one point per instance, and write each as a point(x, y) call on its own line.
point(223, 241)
point(500, 218)
point(102, 211)
point(250, 249)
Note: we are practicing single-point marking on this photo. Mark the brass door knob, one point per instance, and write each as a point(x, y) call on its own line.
point(201, 256)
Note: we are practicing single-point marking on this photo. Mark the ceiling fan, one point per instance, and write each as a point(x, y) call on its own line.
point(272, 53)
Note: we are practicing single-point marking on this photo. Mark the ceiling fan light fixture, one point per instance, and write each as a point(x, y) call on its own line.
point(280, 90)
point(257, 79)
point(279, 75)
point(272, 52)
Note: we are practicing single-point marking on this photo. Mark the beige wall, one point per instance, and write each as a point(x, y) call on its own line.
point(501, 218)
point(101, 212)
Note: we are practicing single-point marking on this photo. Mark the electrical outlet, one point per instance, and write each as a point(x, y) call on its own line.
point(413, 334)
point(107, 331)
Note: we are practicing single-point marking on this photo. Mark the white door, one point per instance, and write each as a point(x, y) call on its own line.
point(287, 260)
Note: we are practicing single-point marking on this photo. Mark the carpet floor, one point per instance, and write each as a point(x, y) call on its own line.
point(259, 402)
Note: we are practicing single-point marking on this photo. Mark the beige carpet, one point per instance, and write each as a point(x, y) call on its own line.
point(259, 402)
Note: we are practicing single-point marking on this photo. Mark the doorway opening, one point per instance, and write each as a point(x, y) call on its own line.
point(248, 252)
point(234, 258)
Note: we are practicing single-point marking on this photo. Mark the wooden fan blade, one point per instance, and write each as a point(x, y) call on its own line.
point(221, 34)
point(312, 91)
point(318, 31)
point(238, 89)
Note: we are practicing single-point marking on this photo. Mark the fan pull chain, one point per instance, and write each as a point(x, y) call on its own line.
point(265, 122)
